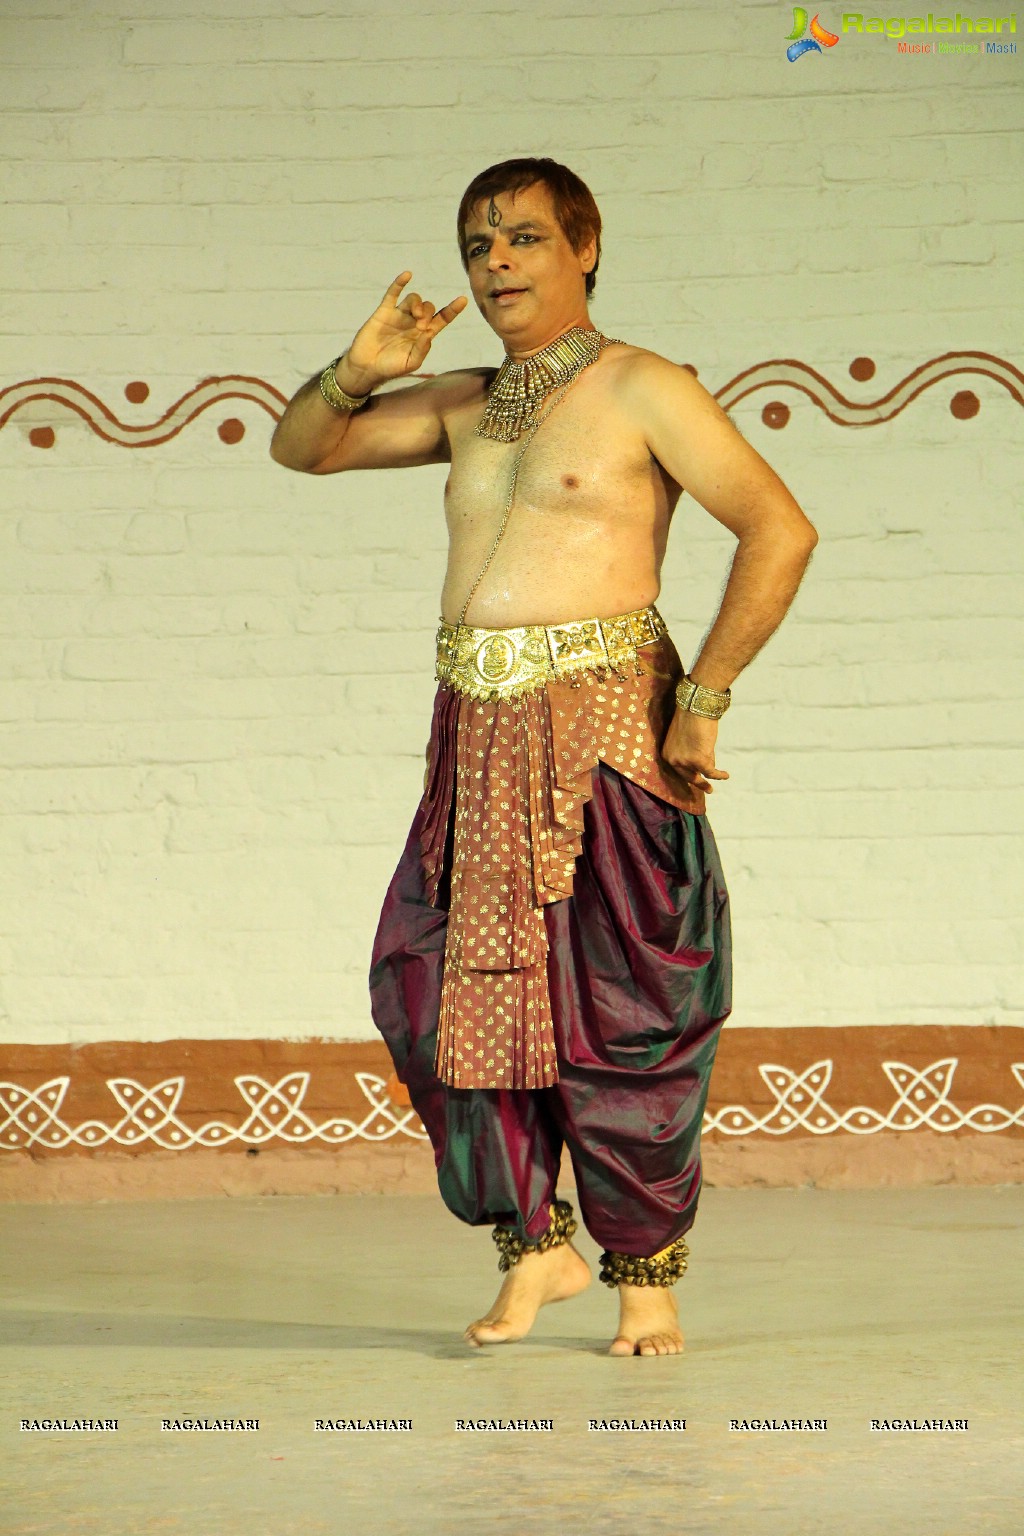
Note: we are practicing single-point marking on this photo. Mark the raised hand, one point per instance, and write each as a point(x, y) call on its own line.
point(396, 338)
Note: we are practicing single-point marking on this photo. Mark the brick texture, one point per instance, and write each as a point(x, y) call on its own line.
point(217, 674)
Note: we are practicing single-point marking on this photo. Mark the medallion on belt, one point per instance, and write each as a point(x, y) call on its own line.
point(535, 647)
point(496, 659)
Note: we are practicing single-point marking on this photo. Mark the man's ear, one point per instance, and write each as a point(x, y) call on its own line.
point(588, 255)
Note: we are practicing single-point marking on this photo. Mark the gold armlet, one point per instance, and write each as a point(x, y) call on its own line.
point(699, 700)
point(335, 395)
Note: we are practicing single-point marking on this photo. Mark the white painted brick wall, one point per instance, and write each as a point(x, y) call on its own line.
point(216, 678)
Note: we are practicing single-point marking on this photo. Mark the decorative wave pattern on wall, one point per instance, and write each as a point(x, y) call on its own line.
point(66, 399)
point(871, 413)
point(31, 1117)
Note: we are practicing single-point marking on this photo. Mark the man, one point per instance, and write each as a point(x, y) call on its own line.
point(552, 964)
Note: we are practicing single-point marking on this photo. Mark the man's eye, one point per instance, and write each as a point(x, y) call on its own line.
point(526, 237)
point(475, 250)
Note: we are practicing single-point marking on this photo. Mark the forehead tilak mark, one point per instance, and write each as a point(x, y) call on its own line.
point(493, 216)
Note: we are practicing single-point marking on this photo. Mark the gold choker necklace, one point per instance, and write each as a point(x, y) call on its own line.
point(519, 389)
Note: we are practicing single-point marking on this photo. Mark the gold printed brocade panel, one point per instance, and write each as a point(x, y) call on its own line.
point(519, 772)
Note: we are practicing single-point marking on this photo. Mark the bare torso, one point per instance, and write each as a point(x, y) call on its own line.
point(590, 520)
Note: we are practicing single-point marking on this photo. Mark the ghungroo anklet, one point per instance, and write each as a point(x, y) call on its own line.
point(663, 1268)
point(511, 1246)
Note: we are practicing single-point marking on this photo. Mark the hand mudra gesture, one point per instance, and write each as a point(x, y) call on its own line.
point(397, 337)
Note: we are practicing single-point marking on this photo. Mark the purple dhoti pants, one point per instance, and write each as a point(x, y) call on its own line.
point(639, 972)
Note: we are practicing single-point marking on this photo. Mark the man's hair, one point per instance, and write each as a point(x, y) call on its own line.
point(575, 208)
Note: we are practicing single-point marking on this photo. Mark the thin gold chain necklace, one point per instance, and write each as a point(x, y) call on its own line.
point(520, 388)
point(538, 415)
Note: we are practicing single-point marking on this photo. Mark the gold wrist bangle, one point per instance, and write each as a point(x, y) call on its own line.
point(333, 392)
point(708, 702)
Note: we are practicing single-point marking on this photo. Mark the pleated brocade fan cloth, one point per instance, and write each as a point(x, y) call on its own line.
point(507, 781)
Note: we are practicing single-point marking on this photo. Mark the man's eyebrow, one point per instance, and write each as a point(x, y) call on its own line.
point(515, 229)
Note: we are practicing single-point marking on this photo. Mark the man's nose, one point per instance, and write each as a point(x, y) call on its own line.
point(498, 257)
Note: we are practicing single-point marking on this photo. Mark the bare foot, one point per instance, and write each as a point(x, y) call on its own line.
point(648, 1322)
point(538, 1278)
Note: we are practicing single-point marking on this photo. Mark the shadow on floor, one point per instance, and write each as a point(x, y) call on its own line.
point(60, 1330)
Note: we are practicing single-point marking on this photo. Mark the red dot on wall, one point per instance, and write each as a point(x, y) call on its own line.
point(862, 368)
point(965, 404)
point(42, 437)
point(775, 415)
point(136, 391)
point(231, 431)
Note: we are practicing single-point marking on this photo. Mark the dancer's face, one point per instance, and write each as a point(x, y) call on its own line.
point(526, 279)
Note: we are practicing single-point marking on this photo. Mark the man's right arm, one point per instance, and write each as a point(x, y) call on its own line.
point(396, 429)
point(392, 431)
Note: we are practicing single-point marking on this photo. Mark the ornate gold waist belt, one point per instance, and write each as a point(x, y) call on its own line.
point(507, 663)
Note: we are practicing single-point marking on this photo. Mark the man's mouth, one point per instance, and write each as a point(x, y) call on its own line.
point(506, 293)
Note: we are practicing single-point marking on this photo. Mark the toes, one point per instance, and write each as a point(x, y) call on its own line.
point(649, 1344)
point(490, 1333)
point(476, 1333)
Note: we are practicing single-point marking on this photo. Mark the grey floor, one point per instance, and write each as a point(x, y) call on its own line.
point(812, 1304)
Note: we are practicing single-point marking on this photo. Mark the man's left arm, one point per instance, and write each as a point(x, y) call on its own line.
point(693, 439)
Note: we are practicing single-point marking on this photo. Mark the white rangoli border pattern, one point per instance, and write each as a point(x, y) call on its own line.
point(922, 1102)
point(31, 1117)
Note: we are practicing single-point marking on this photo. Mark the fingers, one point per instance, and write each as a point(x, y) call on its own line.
point(395, 288)
point(702, 785)
point(690, 769)
point(421, 310)
point(697, 775)
point(447, 315)
point(434, 321)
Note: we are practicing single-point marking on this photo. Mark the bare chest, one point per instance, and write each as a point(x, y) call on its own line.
point(568, 470)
